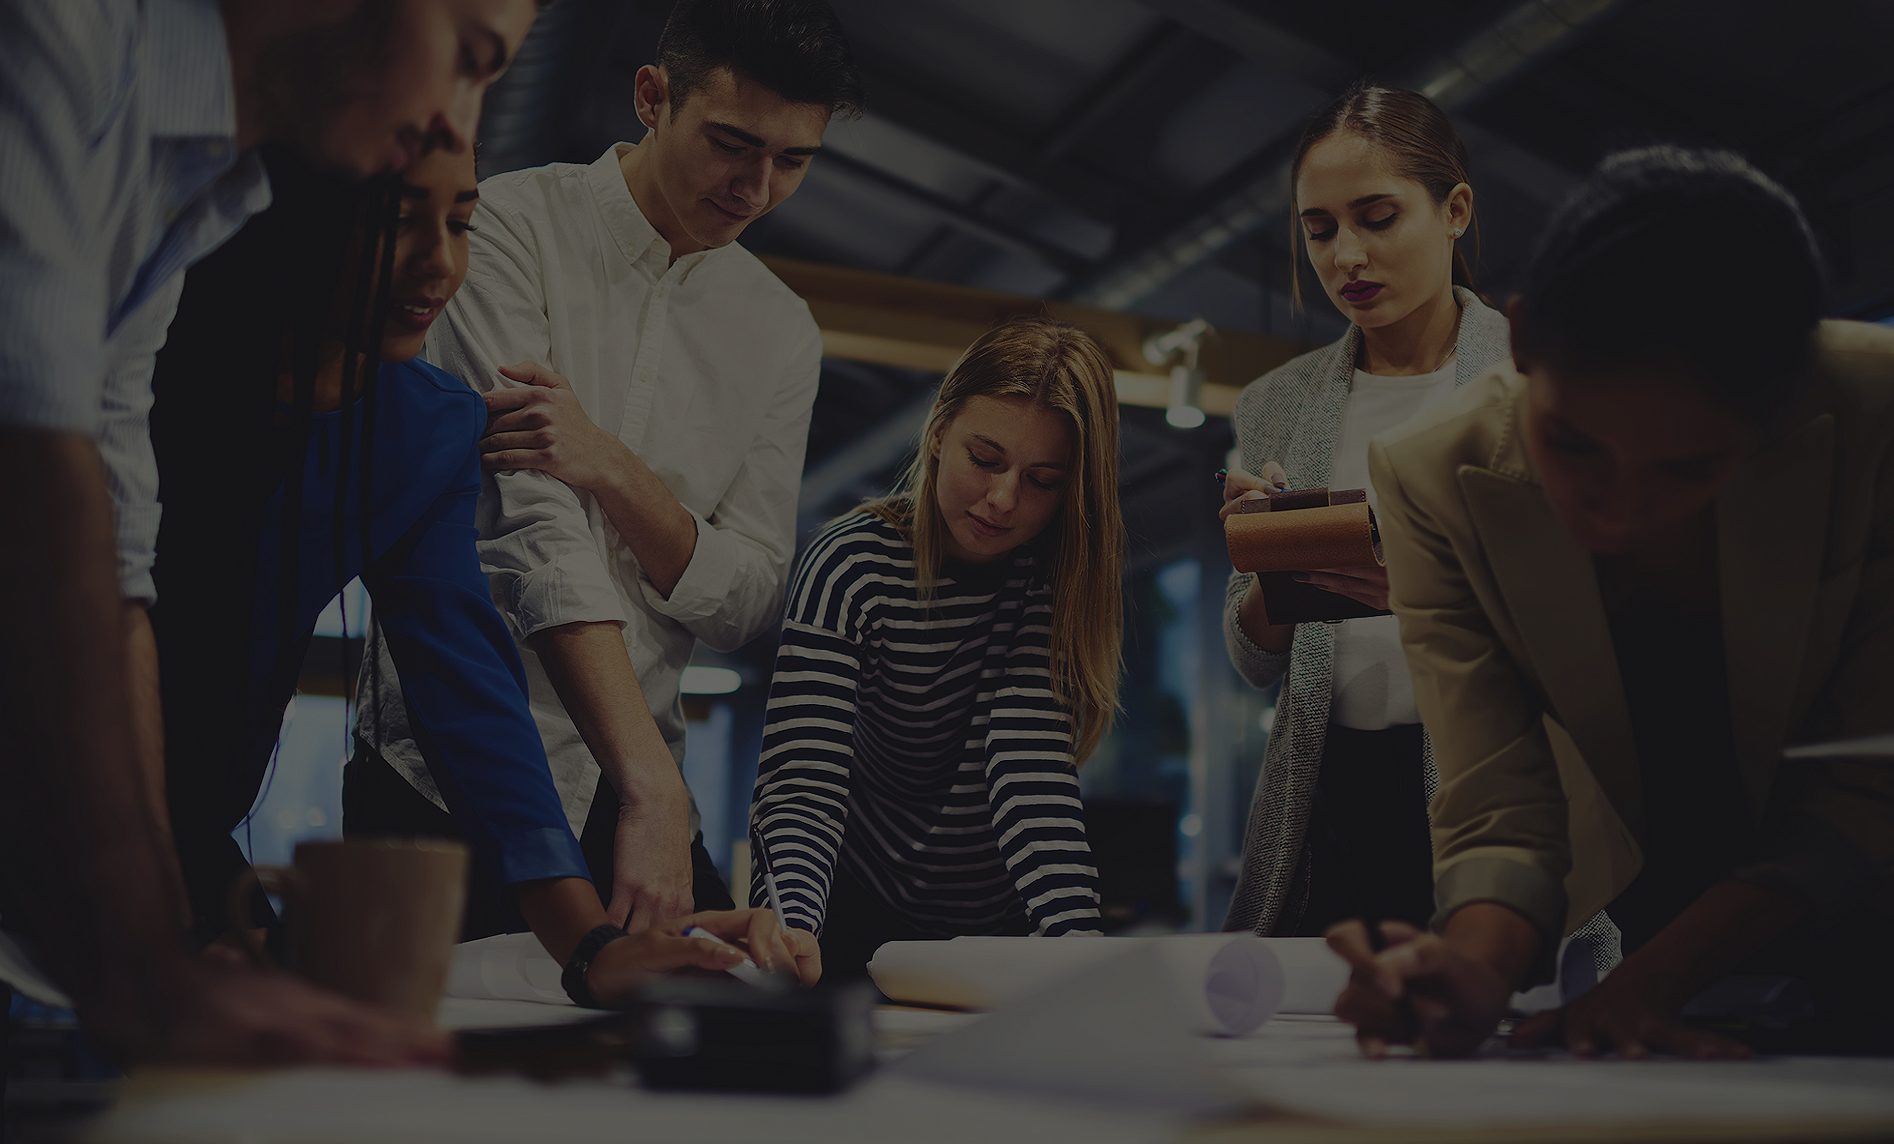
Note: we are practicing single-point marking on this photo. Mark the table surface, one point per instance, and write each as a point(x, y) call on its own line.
point(1299, 1079)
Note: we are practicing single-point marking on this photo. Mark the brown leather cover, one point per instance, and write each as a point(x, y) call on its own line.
point(1298, 530)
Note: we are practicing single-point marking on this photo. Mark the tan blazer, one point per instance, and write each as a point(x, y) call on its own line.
point(1518, 684)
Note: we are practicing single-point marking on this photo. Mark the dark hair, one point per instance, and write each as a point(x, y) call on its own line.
point(1679, 259)
point(1419, 139)
point(793, 47)
point(317, 265)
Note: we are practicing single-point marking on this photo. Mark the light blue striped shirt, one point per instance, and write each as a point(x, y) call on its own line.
point(118, 170)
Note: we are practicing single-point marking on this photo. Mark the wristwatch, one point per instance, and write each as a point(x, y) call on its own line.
point(577, 987)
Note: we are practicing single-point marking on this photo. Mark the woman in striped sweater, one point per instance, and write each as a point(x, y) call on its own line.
point(950, 654)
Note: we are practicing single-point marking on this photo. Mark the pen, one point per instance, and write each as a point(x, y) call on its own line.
point(775, 900)
point(769, 881)
point(745, 970)
point(1223, 475)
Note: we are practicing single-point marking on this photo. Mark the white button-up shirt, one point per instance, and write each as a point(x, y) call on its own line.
point(706, 367)
point(118, 169)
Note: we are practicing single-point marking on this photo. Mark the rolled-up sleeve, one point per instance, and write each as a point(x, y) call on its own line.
point(1499, 814)
point(1258, 665)
point(732, 589)
point(124, 436)
point(1259, 440)
point(536, 541)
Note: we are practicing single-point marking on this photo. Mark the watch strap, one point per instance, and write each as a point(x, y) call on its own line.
point(574, 977)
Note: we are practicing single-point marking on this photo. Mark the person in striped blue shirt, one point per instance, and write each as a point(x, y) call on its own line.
point(950, 655)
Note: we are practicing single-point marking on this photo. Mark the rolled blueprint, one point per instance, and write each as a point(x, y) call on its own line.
point(1236, 982)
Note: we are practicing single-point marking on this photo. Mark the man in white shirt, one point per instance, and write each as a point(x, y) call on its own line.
point(126, 137)
point(651, 384)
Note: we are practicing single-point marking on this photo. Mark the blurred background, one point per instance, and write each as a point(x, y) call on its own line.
point(1124, 163)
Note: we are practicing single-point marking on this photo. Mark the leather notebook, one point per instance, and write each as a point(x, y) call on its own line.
point(1298, 530)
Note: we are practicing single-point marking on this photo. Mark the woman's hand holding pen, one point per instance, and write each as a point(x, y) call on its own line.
point(1239, 485)
point(1366, 585)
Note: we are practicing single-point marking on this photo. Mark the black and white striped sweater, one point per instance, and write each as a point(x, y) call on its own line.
point(921, 747)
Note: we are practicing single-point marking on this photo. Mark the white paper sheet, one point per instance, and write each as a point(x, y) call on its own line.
point(1115, 1032)
point(1231, 983)
point(506, 967)
point(321, 1106)
point(1327, 1079)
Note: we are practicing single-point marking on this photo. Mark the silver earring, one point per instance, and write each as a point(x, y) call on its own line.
point(1455, 232)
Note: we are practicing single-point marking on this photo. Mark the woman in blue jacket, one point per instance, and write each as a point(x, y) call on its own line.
point(302, 443)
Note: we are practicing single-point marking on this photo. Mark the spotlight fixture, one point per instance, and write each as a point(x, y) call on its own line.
point(1179, 348)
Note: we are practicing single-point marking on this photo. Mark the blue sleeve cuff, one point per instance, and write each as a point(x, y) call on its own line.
point(541, 854)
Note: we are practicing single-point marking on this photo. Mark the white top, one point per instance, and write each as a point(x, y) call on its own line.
point(118, 169)
point(1372, 690)
point(705, 367)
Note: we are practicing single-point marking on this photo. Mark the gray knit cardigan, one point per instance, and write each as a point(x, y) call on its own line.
point(1293, 415)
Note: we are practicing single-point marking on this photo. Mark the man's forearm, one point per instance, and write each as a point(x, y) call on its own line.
point(1711, 938)
point(660, 531)
point(145, 705)
point(1497, 935)
point(560, 912)
point(95, 881)
point(592, 673)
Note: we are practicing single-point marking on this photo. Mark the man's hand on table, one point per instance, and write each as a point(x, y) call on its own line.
point(1454, 1000)
point(621, 966)
point(1630, 1014)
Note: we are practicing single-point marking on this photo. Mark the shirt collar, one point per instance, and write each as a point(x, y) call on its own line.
point(636, 237)
point(188, 84)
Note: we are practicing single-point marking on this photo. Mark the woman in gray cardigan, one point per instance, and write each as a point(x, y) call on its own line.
point(1338, 826)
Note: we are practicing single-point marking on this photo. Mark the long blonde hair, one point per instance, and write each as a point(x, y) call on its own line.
point(1058, 367)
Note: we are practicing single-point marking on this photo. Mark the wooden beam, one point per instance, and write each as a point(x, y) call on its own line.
point(886, 319)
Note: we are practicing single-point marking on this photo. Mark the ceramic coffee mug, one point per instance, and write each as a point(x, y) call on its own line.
point(372, 919)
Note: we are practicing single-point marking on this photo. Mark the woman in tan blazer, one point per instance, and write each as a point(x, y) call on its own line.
point(1630, 570)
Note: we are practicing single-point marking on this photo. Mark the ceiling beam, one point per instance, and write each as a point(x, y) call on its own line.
point(942, 120)
point(956, 214)
point(886, 319)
